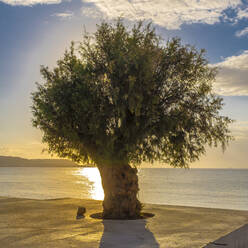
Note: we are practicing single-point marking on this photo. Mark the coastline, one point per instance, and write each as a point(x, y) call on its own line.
point(53, 223)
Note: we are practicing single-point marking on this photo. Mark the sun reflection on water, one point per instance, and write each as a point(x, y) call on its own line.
point(93, 175)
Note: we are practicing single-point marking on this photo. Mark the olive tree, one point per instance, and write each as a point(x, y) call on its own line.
point(123, 96)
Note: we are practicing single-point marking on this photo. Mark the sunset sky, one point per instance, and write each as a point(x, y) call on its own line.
point(36, 32)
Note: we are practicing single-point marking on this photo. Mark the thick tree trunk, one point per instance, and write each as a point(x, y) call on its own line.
point(120, 185)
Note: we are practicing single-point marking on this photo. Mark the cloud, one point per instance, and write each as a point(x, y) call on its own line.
point(242, 32)
point(30, 2)
point(239, 130)
point(242, 13)
point(4, 150)
point(232, 78)
point(26, 150)
point(64, 15)
point(167, 13)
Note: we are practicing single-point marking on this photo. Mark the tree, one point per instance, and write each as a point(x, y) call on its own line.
point(124, 96)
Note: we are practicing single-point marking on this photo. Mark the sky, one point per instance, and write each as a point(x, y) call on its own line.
point(36, 32)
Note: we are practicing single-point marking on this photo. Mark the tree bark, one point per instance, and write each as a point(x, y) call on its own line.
point(120, 185)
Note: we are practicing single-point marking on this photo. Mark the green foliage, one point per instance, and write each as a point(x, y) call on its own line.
point(124, 96)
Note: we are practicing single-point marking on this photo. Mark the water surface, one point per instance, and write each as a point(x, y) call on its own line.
point(213, 188)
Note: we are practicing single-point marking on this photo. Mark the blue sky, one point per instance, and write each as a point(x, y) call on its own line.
point(35, 32)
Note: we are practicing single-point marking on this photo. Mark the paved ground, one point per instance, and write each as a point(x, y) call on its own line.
point(235, 239)
point(52, 223)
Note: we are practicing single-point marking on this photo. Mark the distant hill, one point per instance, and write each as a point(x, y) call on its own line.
point(7, 161)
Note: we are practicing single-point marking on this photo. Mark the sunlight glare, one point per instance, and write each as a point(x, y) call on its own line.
point(93, 175)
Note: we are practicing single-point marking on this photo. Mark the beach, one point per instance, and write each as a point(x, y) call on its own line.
point(30, 223)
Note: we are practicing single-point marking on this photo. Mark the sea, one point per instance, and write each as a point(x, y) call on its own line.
point(211, 188)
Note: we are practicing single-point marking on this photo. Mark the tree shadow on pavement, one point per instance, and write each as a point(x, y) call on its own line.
point(127, 233)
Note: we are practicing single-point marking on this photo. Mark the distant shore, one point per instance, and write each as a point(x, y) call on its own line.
point(53, 223)
point(7, 161)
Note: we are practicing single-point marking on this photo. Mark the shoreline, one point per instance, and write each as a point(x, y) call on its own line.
point(145, 203)
point(52, 223)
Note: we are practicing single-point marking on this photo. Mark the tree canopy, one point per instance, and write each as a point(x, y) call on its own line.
point(124, 95)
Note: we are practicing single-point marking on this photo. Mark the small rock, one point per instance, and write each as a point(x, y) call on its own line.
point(80, 213)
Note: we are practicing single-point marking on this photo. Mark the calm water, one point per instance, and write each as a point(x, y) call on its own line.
point(196, 187)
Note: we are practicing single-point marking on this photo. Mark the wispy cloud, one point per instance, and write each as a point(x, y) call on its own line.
point(30, 2)
point(64, 15)
point(233, 75)
point(240, 130)
point(4, 150)
point(242, 13)
point(242, 32)
point(167, 13)
point(27, 150)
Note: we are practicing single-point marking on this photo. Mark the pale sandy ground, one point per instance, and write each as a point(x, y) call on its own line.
point(52, 223)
